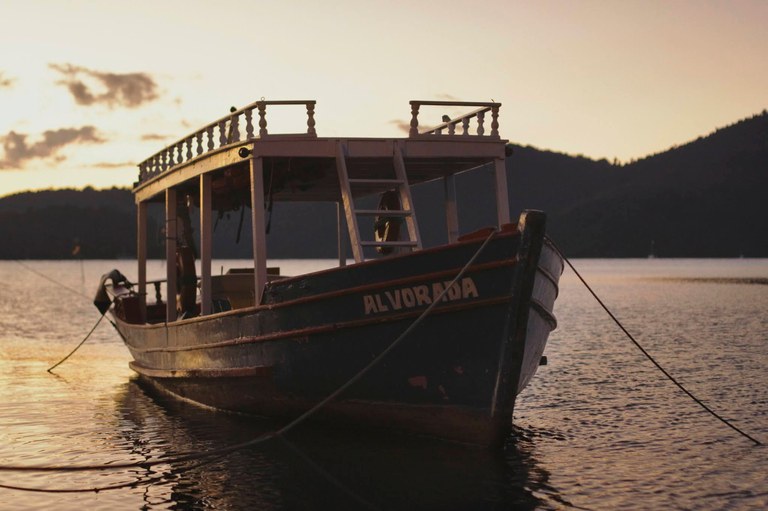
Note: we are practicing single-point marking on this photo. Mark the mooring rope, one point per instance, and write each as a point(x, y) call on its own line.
point(235, 447)
point(49, 279)
point(648, 355)
point(57, 364)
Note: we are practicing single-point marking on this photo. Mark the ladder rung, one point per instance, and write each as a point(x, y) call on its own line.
point(383, 212)
point(375, 181)
point(388, 243)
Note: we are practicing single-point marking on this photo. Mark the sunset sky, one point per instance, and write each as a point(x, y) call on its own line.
point(90, 88)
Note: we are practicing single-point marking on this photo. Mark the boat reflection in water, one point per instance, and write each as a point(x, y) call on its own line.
point(316, 467)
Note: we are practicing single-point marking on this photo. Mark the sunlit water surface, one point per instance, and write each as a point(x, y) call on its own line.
point(598, 428)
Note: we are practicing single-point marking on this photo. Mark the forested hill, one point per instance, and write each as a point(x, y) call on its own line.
point(704, 198)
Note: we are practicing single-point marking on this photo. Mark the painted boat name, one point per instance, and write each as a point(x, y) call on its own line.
point(417, 296)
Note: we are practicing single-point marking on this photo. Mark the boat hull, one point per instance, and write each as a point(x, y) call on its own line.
point(455, 376)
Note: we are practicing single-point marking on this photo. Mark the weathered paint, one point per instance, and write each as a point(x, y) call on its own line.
point(314, 334)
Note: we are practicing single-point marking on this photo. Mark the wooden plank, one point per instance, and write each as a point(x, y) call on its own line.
point(383, 212)
point(340, 234)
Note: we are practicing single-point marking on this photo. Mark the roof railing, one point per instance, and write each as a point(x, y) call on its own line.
point(220, 133)
point(464, 120)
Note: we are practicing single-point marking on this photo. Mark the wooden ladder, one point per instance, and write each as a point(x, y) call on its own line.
point(399, 183)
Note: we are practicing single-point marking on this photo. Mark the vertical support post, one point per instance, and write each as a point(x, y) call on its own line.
point(340, 234)
point(259, 229)
point(141, 253)
point(451, 209)
point(502, 193)
point(206, 243)
point(170, 254)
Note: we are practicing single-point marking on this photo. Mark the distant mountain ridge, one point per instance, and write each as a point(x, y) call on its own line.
point(704, 198)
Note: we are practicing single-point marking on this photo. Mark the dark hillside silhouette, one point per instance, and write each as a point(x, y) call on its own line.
point(705, 198)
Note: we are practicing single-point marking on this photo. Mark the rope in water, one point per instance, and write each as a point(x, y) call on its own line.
point(217, 453)
point(648, 355)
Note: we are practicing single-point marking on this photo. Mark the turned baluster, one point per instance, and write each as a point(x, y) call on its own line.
point(465, 126)
point(249, 124)
point(199, 138)
point(262, 119)
point(209, 133)
point(495, 121)
point(311, 118)
point(222, 133)
point(234, 129)
point(414, 120)
point(480, 120)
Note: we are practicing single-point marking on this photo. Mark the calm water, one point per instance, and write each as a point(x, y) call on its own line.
point(598, 428)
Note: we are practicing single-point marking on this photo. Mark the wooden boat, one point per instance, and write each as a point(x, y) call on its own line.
point(258, 342)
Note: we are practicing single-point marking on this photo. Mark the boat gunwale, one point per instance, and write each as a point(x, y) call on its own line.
point(320, 329)
point(331, 294)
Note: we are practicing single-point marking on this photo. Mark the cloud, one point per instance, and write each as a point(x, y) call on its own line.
point(447, 97)
point(402, 125)
point(18, 151)
point(5, 82)
point(90, 87)
point(113, 165)
point(154, 136)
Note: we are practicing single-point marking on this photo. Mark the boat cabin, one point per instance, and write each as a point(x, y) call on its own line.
point(237, 161)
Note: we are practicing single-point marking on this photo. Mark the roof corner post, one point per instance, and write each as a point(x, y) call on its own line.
point(206, 243)
point(502, 192)
point(141, 257)
point(259, 228)
point(451, 208)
